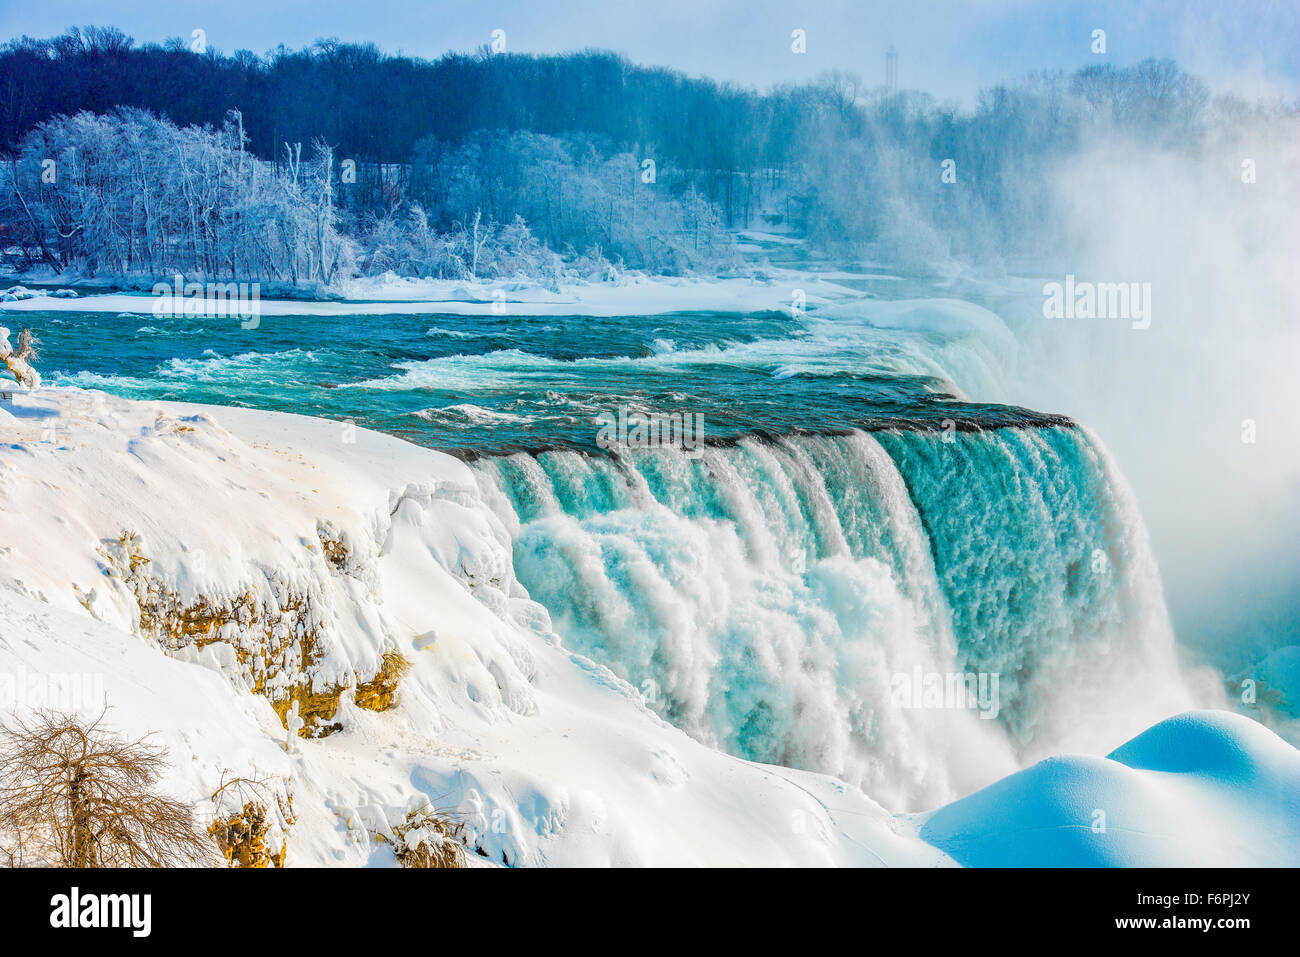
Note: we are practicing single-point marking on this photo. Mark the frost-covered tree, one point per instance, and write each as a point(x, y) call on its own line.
point(18, 360)
point(573, 196)
point(130, 194)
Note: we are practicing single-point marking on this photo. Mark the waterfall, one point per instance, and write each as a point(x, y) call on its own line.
point(777, 597)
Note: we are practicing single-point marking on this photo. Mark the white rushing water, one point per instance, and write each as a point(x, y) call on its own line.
point(778, 598)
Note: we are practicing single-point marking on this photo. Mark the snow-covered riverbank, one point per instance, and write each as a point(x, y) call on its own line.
point(635, 295)
point(769, 288)
point(201, 566)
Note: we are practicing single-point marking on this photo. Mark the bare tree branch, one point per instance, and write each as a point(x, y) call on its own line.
point(74, 794)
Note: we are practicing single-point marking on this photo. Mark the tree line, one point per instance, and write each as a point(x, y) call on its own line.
point(304, 166)
point(374, 107)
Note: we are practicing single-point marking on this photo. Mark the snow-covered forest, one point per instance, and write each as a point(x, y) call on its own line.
point(128, 193)
point(144, 161)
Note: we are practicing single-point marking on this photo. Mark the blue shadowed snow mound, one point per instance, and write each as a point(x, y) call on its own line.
point(1227, 747)
point(1206, 788)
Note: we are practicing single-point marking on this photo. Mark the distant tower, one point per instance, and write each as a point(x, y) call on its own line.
point(891, 71)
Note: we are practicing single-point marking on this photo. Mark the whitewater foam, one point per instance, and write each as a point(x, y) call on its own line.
point(764, 596)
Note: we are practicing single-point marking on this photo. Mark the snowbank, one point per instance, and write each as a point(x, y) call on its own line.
point(20, 293)
point(1206, 788)
point(635, 295)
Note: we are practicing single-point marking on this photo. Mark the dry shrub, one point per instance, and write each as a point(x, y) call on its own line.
point(333, 545)
point(380, 692)
point(241, 835)
point(426, 839)
point(241, 838)
point(73, 794)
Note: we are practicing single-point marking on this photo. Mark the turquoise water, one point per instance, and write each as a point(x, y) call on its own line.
point(856, 516)
point(485, 385)
point(765, 595)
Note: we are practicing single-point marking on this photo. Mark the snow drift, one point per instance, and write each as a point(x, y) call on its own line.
point(1206, 788)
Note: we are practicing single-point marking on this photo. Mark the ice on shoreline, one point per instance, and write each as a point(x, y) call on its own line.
point(636, 295)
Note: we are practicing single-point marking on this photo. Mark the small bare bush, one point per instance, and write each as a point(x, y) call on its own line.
point(74, 794)
point(243, 834)
point(241, 838)
point(426, 839)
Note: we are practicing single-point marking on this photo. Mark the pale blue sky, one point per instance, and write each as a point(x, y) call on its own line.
point(947, 47)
